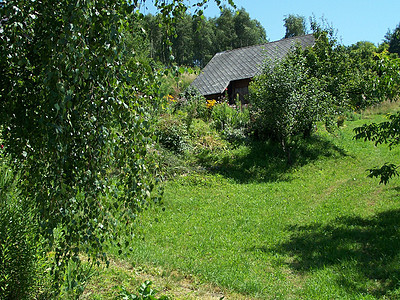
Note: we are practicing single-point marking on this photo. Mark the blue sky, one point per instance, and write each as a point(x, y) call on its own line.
point(355, 20)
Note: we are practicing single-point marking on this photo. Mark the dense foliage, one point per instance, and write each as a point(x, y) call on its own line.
point(286, 100)
point(74, 122)
point(76, 91)
point(295, 25)
point(387, 85)
point(387, 132)
point(320, 83)
point(197, 38)
point(392, 38)
point(18, 267)
point(191, 126)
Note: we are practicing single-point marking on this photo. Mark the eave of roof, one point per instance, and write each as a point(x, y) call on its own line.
point(243, 63)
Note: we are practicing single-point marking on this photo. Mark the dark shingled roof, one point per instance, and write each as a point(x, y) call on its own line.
point(243, 63)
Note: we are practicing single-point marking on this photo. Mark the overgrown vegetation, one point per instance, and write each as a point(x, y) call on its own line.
point(320, 83)
point(76, 122)
point(17, 248)
point(392, 40)
point(316, 229)
point(91, 123)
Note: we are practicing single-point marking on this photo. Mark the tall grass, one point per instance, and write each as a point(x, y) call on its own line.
point(18, 261)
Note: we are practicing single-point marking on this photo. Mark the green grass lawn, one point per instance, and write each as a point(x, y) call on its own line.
point(319, 229)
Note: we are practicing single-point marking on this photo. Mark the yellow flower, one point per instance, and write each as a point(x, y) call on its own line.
point(211, 103)
point(170, 98)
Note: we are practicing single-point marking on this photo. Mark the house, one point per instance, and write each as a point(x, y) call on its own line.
point(230, 72)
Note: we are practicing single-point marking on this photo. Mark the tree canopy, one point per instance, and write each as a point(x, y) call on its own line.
point(75, 119)
point(197, 38)
point(295, 25)
point(393, 39)
point(387, 132)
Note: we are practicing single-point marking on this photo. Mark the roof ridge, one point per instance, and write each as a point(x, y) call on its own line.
point(268, 43)
point(291, 38)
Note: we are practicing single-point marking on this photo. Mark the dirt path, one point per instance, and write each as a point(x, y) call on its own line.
point(169, 283)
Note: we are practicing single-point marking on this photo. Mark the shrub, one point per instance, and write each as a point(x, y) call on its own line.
point(17, 254)
point(172, 133)
point(17, 247)
point(206, 140)
point(287, 101)
point(232, 116)
point(195, 106)
point(235, 135)
point(222, 115)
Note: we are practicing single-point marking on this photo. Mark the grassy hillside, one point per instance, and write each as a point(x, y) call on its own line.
point(255, 227)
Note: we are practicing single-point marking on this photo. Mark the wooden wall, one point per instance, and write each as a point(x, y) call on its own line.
point(237, 88)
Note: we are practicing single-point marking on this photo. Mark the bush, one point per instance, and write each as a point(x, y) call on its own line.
point(286, 100)
point(17, 253)
point(222, 115)
point(172, 133)
point(195, 105)
point(18, 260)
point(235, 135)
point(206, 139)
point(232, 120)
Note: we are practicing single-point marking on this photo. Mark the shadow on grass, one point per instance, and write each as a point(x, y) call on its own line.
point(367, 249)
point(266, 162)
point(397, 189)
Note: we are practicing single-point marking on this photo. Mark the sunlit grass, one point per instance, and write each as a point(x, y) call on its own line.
point(317, 229)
